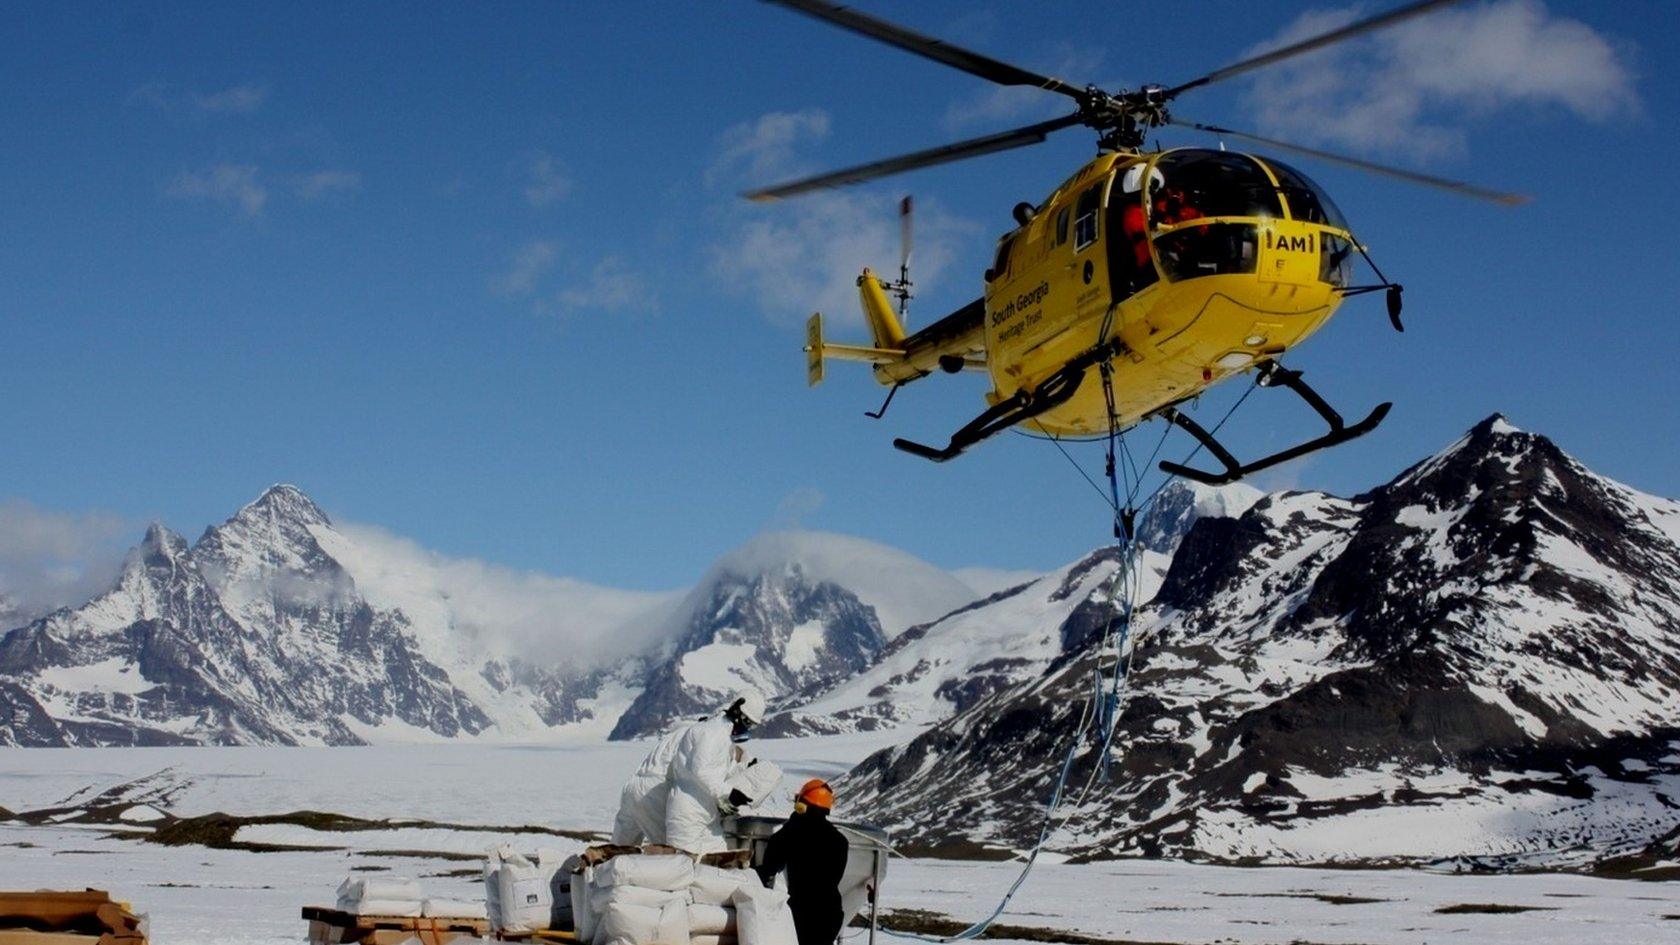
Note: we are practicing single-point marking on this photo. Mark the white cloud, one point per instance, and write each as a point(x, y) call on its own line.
point(804, 254)
point(759, 150)
point(1374, 94)
point(234, 100)
point(530, 265)
point(54, 559)
point(796, 255)
point(545, 181)
point(611, 285)
point(319, 184)
point(798, 505)
point(522, 613)
point(234, 185)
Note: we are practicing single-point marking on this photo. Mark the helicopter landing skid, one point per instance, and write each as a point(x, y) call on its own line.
point(1271, 375)
point(1020, 406)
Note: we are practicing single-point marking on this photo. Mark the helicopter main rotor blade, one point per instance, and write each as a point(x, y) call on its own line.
point(944, 154)
point(1427, 180)
point(928, 47)
point(1370, 24)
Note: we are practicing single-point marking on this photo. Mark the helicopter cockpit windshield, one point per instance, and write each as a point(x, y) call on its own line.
point(1308, 201)
point(1195, 184)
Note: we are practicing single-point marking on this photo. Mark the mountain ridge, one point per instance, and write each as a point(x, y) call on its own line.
point(1441, 667)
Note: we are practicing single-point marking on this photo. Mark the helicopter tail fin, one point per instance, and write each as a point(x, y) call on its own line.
point(878, 311)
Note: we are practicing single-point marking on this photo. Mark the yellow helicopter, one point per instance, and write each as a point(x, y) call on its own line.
point(1162, 273)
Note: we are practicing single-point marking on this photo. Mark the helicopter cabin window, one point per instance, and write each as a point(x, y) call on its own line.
point(1197, 184)
point(1062, 225)
point(1307, 200)
point(1085, 217)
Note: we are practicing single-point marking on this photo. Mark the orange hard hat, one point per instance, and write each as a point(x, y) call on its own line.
point(816, 793)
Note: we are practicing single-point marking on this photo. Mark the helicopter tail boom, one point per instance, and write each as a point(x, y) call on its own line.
point(878, 311)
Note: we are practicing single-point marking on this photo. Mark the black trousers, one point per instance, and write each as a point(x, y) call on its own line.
point(816, 923)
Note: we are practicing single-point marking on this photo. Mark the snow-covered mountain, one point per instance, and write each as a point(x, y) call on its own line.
point(280, 626)
point(257, 634)
point(944, 666)
point(789, 614)
point(1478, 662)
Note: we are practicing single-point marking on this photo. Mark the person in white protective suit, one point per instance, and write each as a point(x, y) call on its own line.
point(641, 805)
point(701, 795)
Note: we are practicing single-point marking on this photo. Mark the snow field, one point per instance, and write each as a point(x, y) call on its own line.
point(199, 896)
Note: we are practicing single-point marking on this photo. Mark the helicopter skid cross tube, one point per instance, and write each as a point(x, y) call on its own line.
point(1018, 407)
point(1272, 375)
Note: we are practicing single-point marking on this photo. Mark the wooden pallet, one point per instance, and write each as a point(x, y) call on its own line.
point(337, 927)
point(540, 935)
point(53, 917)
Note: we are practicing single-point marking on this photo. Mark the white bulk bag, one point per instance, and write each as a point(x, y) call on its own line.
point(583, 914)
point(355, 889)
point(407, 908)
point(667, 871)
point(601, 897)
point(453, 909)
point(757, 780)
point(673, 924)
point(762, 917)
point(710, 920)
point(713, 886)
point(524, 896)
point(625, 924)
point(492, 891)
point(560, 887)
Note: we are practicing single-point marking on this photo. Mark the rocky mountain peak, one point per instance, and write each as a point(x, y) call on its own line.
point(273, 537)
point(1491, 452)
point(283, 502)
point(160, 541)
point(1182, 502)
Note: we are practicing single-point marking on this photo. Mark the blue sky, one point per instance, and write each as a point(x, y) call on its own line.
point(476, 273)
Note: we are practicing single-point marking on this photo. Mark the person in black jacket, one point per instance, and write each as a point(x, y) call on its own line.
point(814, 854)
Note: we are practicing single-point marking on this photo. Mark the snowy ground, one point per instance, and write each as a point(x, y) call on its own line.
point(198, 895)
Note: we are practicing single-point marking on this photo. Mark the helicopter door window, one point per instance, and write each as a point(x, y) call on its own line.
point(1128, 245)
point(1085, 218)
point(1062, 225)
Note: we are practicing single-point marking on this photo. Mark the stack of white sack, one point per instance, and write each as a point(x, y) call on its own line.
point(712, 917)
point(666, 899)
point(392, 897)
point(639, 899)
point(524, 894)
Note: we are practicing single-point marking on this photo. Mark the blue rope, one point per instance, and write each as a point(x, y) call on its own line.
point(1044, 832)
point(1105, 704)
